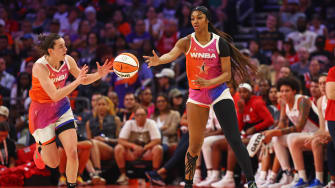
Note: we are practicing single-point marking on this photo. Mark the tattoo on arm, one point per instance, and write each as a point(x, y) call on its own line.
point(288, 130)
point(304, 109)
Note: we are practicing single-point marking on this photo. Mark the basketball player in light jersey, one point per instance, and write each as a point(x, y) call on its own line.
point(303, 113)
point(50, 114)
point(209, 54)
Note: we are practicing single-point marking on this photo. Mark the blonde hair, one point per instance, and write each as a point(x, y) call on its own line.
point(110, 106)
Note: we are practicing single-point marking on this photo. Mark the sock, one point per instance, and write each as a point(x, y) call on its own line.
point(262, 175)
point(215, 173)
point(197, 173)
point(288, 172)
point(273, 175)
point(209, 173)
point(302, 174)
point(71, 185)
point(229, 174)
point(319, 176)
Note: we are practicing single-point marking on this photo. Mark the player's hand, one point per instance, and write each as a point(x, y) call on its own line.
point(269, 134)
point(201, 82)
point(106, 68)
point(152, 60)
point(82, 77)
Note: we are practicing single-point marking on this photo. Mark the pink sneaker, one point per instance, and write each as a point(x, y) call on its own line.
point(38, 159)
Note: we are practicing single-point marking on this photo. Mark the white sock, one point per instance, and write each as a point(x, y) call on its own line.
point(209, 173)
point(302, 174)
point(319, 176)
point(262, 175)
point(216, 173)
point(273, 175)
point(229, 174)
point(197, 173)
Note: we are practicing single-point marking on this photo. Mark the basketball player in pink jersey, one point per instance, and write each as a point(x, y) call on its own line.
point(50, 114)
point(209, 54)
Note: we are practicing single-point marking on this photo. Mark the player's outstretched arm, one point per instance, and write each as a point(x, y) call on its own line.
point(176, 51)
point(102, 70)
point(42, 74)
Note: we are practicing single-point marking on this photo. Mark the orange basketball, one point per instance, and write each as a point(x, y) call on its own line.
point(125, 65)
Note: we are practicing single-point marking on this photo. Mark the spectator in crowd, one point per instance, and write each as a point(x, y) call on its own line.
point(256, 53)
point(109, 34)
point(145, 100)
point(20, 90)
point(289, 15)
point(89, 52)
point(270, 39)
point(71, 23)
point(91, 16)
point(165, 81)
point(325, 58)
point(40, 24)
point(139, 139)
point(289, 52)
point(4, 117)
point(79, 39)
point(177, 102)
point(7, 147)
point(103, 129)
point(301, 67)
point(284, 72)
point(130, 104)
point(120, 22)
point(303, 37)
point(300, 111)
point(167, 120)
point(153, 24)
point(115, 99)
point(6, 80)
point(185, 26)
point(314, 90)
point(169, 36)
point(312, 74)
point(136, 38)
point(317, 27)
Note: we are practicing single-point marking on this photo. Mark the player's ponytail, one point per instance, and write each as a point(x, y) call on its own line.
point(47, 41)
point(240, 64)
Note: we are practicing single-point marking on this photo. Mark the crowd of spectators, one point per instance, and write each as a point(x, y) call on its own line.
point(144, 117)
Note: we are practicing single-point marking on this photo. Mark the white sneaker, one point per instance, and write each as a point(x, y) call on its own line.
point(224, 182)
point(208, 181)
point(330, 184)
point(294, 181)
point(286, 179)
point(268, 182)
point(260, 181)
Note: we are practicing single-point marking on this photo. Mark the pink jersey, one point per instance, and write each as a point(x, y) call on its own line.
point(203, 60)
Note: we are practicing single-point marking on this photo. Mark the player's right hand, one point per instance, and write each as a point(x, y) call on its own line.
point(152, 60)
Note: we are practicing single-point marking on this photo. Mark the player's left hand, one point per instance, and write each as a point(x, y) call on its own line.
point(106, 68)
point(269, 134)
point(202, 83)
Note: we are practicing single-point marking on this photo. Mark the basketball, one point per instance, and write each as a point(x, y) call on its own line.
point(125, 65)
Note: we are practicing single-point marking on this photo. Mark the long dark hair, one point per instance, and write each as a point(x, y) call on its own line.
point(240, 64)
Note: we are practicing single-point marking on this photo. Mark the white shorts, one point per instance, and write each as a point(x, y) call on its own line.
point(48, 134)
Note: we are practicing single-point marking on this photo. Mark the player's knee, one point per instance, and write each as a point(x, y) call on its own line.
point(119, 149)
point(71, 153)
point(158, 149)
point(54, 163)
